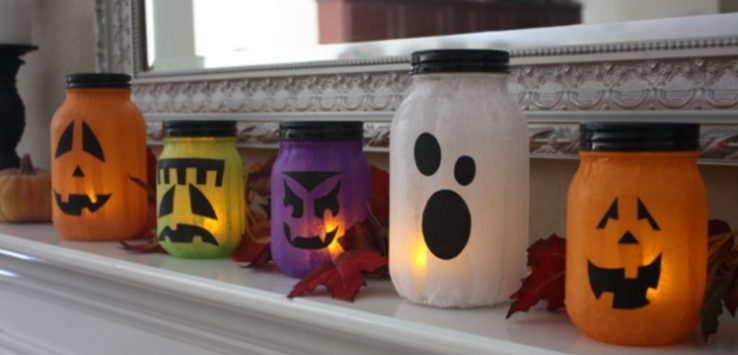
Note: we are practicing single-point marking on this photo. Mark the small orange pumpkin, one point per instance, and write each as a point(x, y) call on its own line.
point(25, 193)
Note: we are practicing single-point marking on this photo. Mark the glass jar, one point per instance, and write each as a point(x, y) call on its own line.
point(200, 190)
point(636, 253)
point(320, 188)
point(98, 144)
point(458, 182)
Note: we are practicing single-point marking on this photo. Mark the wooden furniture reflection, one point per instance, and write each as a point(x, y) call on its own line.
point(365, 20)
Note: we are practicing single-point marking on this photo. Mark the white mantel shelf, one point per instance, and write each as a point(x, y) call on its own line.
point(59, 297)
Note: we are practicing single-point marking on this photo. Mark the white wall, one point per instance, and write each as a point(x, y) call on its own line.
point(599, 11)
point(63, 31)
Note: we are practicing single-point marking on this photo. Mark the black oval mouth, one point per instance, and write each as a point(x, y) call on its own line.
point(77, 202)
point(309, 243)
point(446, 224)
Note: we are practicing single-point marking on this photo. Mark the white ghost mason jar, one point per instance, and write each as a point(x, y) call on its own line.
point(458, 182)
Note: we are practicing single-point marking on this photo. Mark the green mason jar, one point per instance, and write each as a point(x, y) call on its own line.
point(199, 190)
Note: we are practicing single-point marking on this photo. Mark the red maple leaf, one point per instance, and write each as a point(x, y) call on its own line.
point(342, 278)
point(379, 200)
point(547, 261)
point(264, 257)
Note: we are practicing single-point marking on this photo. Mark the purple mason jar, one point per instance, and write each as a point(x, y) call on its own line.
point(320, 189)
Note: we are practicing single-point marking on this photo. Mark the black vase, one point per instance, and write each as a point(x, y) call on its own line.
point(12, 112)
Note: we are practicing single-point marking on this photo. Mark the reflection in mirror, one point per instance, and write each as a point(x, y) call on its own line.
point(197, 34)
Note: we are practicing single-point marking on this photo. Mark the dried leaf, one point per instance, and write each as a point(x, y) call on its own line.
point(263, 258)
point(716, 226)
point(148, 231)
point(731, 296)
point(342, 278)
point(547, 260)
point(368, 235)
point(255, 239)
point(721, 274)
point(717, 287)
point(150, 247)
point(258, 178)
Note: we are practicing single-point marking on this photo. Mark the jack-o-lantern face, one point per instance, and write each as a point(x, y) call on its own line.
point(198, 206)
point(73, 203)
point(312, 197)
point(628, 292)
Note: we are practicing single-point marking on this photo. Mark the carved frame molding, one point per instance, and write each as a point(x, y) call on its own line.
point(693, 80)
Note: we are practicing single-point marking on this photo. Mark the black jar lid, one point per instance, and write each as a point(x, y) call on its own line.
point(460, 61)
point(321, 131)
point(97, 80)
point(639, 137)
point(199, 129)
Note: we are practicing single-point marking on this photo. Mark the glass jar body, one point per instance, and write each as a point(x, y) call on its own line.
point(98, 144)
point(200, 197)
point(320, 189)
point(458, 191)
point(636, 246)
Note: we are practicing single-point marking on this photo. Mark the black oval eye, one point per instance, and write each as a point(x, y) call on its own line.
point(90, 144)
point(427, 154)
point(328, 202)
point(166, 206)
point(65, 141)
point(464, 170)
point(291, 199)
point(200, 204)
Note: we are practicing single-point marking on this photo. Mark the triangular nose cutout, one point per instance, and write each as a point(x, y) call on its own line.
point(628, 238)
point(78, 172)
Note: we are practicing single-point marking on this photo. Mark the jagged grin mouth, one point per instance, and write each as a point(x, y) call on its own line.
point(628, 293)
point(311, 242)
point(77, 202)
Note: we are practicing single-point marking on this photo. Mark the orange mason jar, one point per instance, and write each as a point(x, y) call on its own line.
point(98, 147)
point(636, 258)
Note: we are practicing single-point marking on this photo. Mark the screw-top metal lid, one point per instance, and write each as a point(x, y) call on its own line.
point(639, 137)
point(199, 129)
point(97, 80)
point(460, 61)
point(321, 131)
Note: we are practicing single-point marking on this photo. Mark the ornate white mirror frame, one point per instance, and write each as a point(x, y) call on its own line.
point(642, 76)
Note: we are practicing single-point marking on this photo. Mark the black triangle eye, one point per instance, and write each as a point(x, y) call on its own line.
point(612, 213)
point(65, 141)
point(166, 206)
point(200, 204)
point(90, 144)
point(644, 214)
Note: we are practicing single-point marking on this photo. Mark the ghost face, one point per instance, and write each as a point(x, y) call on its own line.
point(311, 203)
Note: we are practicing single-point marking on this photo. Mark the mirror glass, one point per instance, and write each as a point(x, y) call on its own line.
point(185, 35)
